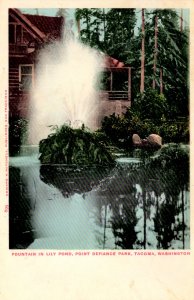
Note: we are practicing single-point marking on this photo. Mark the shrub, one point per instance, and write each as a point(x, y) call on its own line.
point(150, 105)
point(173, 161)
point(17, 134)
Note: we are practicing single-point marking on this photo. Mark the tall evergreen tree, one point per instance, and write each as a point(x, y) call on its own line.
point(167, 49)
point(108, 30)
point(120, 24)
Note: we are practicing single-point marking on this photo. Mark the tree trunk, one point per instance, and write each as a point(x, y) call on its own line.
point(155, 51)
point(142, 54)
point(78, 27)
point(161, 81)
point(181, 21)
point(88, 25)
point(104, 22)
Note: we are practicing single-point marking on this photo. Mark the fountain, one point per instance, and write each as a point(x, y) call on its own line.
point(65, 88)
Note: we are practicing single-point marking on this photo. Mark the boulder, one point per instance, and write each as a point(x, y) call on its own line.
point(154, 140)
point(136, 140)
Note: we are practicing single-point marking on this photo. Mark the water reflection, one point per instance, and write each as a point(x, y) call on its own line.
point(21, 232)
point(132, 206)
point(71, 180)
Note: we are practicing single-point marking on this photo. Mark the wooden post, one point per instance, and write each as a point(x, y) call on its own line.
point(142, 53)
point(111, 80)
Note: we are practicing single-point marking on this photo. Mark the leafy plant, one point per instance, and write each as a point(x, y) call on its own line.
point(74, 146)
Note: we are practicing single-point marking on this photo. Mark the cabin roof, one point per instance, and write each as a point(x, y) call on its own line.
point(39, 26)
point(46, 24)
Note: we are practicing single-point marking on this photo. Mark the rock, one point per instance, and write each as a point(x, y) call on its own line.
point(154, 140)
point(136, 140)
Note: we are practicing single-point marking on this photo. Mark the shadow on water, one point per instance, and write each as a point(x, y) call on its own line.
point(21, 233)
point(71, 179)
point(135, 205)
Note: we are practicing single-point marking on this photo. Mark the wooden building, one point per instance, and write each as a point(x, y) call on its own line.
point(27, 35)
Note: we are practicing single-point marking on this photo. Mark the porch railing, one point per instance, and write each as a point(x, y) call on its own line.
point(115, 95)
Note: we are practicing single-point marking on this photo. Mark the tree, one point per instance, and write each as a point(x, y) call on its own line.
point(83, 16)
point(99, 31)
point(142, 54)
point(167, 50)
point(62, 12)
point(120, 24)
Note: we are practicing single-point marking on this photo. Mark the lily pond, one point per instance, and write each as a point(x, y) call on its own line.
point(132, 205)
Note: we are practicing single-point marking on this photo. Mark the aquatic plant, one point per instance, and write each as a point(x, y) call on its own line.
point(74, 146)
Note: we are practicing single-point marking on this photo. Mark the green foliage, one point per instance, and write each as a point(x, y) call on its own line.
point(114, 128)
point(173, 154)
point(112, 31)
point(150, 104)
point(175, 131)
point(74, 146)
point(173, 160)
point(148, 114)
point(17, 134)
point(172, 58)
point(99, 31)
point(120, 24)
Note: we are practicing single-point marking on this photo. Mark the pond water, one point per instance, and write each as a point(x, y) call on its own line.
point(128, 206)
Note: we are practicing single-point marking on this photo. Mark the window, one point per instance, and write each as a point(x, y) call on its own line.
point(26, 77)
point(114, 80)
point(15, 33)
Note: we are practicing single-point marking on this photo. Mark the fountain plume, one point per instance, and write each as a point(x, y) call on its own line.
point(65, 91)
